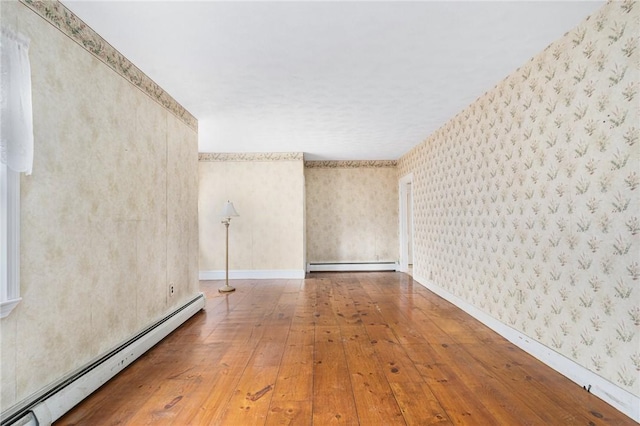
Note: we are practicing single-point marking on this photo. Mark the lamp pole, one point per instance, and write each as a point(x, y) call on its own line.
point(228, 212)
point(227, 288)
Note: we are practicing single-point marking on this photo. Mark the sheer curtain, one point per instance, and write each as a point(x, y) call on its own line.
point(16, 127)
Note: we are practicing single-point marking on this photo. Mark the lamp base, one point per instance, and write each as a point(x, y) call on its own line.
point(226, 289)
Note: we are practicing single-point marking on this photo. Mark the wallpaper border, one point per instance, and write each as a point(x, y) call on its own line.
point(250, 156)
point(69, 24)
point(350, 164)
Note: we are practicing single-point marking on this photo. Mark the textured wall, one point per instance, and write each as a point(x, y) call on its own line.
point(526, 203)
point(109, 215)
point(267, 190)
point(352, 212)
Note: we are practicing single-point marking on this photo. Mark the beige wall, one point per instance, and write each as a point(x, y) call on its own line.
point(527, 202)
point(267, 190)
point(109, 215)
point(352, 212)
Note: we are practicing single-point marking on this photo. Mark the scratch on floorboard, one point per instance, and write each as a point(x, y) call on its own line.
point(256, 396)
point(173, 402)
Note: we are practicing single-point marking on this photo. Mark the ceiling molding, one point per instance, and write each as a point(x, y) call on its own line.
point(73, 27)
point(350, 164)
point(250, 156)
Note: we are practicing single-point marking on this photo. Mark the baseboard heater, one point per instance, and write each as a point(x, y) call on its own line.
point(54, 401)
point(351, 266)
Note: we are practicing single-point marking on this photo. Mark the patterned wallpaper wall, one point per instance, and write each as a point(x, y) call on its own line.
point(267, 190)
point(352, 211)
point(527, 202)
point(109, 215)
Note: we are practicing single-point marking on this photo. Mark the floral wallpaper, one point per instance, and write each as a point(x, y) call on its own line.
point(267, 190)
point(109, 215)
point(352, 212)
point(527, 202)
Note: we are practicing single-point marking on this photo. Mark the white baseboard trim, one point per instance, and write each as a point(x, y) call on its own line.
point(619, 398)
point(53, 402)
point(351, 267)
point(254, 274)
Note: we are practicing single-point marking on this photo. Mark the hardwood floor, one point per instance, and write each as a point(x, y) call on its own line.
point(337, 348)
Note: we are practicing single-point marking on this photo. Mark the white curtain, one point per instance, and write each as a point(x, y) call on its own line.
point(16, 127)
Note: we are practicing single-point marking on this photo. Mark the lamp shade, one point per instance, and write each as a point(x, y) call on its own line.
point(229, 210)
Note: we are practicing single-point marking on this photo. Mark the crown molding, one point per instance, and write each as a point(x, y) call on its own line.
point(73, 27)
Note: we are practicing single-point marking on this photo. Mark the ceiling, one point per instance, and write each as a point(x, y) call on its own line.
point(335, 80)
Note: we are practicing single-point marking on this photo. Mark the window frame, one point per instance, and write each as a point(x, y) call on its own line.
point(9, 240)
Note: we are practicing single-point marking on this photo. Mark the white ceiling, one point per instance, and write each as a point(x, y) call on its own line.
point(336, 80)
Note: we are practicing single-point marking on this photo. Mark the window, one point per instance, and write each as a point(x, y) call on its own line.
point(16, 156)
point(9, 240)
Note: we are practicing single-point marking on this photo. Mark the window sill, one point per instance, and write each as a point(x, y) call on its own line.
point(7, 306)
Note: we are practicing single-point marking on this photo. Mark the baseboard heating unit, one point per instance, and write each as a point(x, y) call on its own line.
point(350, 267)
point(54, 401)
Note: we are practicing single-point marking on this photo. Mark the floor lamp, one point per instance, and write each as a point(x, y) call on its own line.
point(227, 213)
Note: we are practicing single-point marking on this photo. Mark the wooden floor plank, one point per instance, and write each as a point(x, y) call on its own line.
point(509, 409)
point(461, 404)
point(419, 405)
point(333, 401)
point(294, 382)
point(337, 348)
point(292, 400)
point(218, 392)
point(374, 398)
point(290, 413)
point(395, 363)
point(249, 402)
